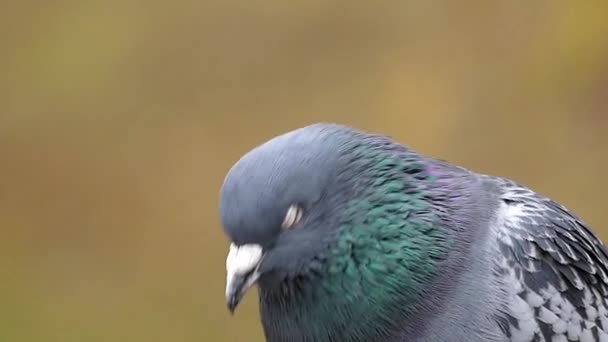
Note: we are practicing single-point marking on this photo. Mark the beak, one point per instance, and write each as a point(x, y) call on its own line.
point(241, 272)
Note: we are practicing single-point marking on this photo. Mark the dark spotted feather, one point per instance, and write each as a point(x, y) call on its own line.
point(554, 267)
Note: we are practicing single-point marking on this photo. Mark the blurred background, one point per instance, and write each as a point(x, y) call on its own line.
point(119, 120)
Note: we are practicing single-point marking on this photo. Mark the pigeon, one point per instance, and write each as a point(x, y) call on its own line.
point(351, 236)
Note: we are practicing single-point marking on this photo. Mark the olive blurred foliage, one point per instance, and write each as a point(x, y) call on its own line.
point(119, 120)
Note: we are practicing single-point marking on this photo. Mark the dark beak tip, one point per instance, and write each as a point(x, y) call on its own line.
point(233, 302)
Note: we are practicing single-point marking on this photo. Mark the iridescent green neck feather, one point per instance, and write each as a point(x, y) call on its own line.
point(377, 270)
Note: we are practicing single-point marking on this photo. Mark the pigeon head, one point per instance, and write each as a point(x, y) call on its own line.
point(278, 210)
point(339, 229)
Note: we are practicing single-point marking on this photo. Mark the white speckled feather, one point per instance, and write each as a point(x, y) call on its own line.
point(554, 269)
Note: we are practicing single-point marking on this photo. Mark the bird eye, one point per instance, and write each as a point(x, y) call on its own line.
point(292, 217)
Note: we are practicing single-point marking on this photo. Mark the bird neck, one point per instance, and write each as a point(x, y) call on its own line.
point(369, 295)
point(384, 259)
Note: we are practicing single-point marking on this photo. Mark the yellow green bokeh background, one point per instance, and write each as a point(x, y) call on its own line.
point(119, 119)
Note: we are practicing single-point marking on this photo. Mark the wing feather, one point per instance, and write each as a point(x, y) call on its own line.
point(555, 268)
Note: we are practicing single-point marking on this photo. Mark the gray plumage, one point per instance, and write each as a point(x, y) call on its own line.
point(553, 268)
point(504, 263)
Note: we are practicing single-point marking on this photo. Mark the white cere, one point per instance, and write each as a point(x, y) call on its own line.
point(243, 259)
point(292, 217)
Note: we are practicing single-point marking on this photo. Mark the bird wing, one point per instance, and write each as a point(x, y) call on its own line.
point(554, 268)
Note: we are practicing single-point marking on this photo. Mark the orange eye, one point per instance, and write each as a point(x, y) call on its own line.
point(292, 217)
